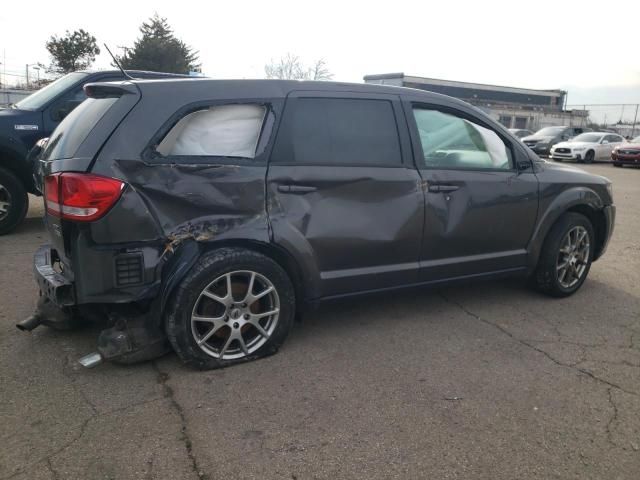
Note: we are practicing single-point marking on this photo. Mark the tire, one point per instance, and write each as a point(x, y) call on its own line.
point(616, 164)
point(548, 278)
point(589, 157)
point(226, 325)
point(14, 201)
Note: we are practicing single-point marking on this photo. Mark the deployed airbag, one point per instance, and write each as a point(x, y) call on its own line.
point(225, 131)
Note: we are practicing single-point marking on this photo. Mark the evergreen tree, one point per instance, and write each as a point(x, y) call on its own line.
point(159, 50)
point(77, 50)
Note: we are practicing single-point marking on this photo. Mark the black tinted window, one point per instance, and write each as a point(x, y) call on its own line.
point(342, 131)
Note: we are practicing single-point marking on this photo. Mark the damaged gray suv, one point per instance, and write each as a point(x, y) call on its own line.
point(203, 215)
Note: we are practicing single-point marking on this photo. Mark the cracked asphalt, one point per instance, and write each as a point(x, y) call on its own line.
point(485, 380)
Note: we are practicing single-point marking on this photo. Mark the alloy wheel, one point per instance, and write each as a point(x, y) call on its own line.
point(235, 315)
point(573, 257)
point(5, 202)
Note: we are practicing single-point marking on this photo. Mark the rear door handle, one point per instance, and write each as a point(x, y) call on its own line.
point(296, 188)
point(443, 188)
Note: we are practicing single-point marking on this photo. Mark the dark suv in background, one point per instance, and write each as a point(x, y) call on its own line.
point(207, 213)
point(545, 138)
point(32, 119)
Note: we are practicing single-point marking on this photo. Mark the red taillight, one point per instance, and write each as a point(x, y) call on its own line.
point(82, 197)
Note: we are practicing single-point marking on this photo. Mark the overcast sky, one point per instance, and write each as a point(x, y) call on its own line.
point(591, 49)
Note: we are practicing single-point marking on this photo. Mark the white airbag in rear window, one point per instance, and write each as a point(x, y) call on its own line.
point(224, 131)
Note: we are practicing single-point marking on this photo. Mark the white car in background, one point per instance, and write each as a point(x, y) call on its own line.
point(587, 147)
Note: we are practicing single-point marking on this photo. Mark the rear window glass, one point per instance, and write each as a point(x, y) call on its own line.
point(75, 128)
point(220, 131)
point(338, 131)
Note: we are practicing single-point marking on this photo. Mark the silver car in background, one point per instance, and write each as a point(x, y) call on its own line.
point(587, 147)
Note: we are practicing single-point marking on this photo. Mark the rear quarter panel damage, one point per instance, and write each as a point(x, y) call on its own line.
point(202, 202)
point(165, 206)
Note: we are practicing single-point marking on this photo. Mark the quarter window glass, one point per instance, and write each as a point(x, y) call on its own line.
point(449, 141)
point(340, 131)
point(221, 131)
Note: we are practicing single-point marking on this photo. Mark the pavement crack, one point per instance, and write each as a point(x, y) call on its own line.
point(81, 431)
point(162, 379)
point(535, 348)
point(613, 420)
point(53, 471)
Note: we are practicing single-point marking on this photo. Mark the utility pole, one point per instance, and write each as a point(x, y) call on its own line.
point(635, 119)
point(26, 69)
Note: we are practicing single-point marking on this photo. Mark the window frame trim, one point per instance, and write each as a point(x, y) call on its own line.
point(265, 137)
point(418, 152)
point(404, 140)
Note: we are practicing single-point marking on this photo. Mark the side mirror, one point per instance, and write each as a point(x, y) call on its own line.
point(605, 142)
point(523, 165)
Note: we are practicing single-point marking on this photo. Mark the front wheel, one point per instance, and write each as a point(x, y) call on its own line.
point(566, 256)
point(589, 157)
point(235, 305)
point(14, 201)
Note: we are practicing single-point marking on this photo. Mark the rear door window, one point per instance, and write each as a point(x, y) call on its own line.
point(75, 128)
point(343, 131)
point(218, 131)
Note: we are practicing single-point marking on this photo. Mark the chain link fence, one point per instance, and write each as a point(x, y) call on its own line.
point(621, 118)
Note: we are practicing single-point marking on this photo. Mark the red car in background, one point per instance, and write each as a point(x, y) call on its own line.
point(627, 153)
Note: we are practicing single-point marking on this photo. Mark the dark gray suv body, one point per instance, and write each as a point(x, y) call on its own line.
point(227, 206)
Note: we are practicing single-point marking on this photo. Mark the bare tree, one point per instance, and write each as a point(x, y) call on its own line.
point(290, 67)
point(320, 71)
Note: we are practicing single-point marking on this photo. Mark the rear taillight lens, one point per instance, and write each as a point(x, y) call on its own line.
point(82, 197)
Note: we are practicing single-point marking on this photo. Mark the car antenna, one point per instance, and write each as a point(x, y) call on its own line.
point(115, 60)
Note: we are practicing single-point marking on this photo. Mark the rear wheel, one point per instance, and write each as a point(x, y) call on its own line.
point(14, 201)
point(589, 157)
point(235, 305)
point(566, 256)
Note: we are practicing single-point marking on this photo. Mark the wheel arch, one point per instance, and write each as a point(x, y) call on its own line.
point(581, 200)
point(190, 251)
point(598, 222)
point(16, 163)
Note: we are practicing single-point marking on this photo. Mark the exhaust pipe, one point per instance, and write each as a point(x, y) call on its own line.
point(30, 323)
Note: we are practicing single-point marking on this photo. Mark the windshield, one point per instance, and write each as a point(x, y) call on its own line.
point(587, 137)
point(550, 131)
point(37, 100)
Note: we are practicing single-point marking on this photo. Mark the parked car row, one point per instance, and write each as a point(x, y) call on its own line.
point(542, 141)
point(581, 144)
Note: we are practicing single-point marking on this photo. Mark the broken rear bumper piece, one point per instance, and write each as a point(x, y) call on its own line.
point(134, 335)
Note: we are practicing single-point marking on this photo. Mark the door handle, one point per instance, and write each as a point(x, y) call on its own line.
point(296, 188)
point(443, 188)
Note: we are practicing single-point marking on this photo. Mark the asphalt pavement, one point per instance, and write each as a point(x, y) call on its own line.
point(483, 381)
